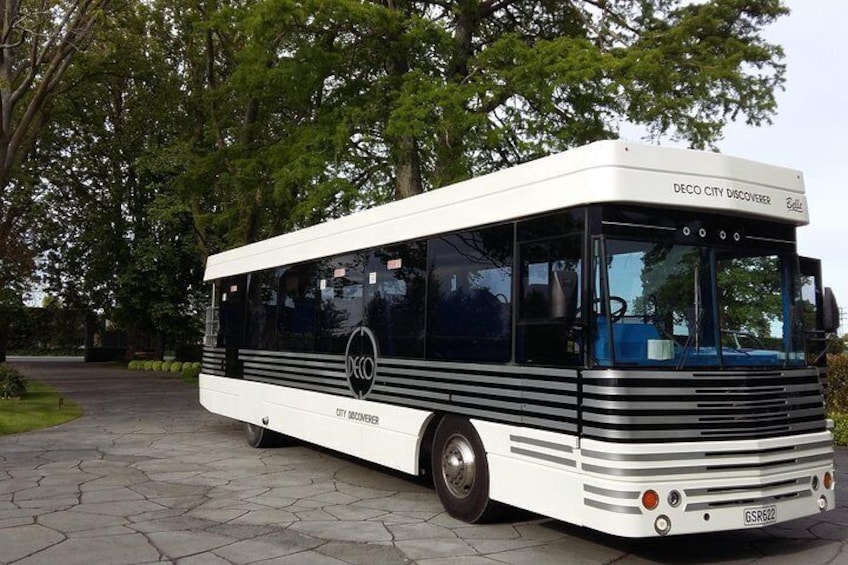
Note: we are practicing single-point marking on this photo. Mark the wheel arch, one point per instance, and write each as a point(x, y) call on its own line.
point(425, 442)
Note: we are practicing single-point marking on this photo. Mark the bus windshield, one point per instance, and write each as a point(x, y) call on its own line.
point(665, 304)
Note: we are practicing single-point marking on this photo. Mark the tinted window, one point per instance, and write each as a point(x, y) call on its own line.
point(394, 299)
point(470, 298)
point(262, 302)
point(296, 319)
point(552, 225)
point(233, 295)
point(341, 292)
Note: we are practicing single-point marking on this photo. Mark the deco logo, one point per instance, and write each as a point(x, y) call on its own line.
point(361, 361)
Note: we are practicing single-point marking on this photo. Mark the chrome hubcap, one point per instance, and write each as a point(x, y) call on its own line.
point(458, 466)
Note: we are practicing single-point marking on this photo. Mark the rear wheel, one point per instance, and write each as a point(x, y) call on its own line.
point(461, 471)
point(260, 437)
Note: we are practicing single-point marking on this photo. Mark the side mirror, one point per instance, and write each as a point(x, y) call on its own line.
point(831, 311)
point(564, 294)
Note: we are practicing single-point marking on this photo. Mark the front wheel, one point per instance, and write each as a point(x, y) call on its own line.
point(461, 471)
point(260, 437)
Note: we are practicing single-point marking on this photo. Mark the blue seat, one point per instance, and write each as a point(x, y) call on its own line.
point(630, 340)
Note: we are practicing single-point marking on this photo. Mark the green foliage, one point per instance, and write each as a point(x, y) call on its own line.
point(53, 330)
point(836, 345)
point(318, 108)
point(190, 373)
point(12, 383)
point(750, 294)
point(837, 383)
point(840, 427)
point(163, 366)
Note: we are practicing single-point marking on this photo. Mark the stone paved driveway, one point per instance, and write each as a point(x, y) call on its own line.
point(148, 476)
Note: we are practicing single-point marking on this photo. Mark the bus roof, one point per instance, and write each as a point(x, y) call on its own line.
point(601, 172)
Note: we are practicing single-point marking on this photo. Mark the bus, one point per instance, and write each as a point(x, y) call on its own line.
point(619, 336)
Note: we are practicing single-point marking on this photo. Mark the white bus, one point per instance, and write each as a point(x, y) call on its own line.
point(613, 336)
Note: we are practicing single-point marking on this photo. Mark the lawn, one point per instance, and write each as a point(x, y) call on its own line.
point(41, 407)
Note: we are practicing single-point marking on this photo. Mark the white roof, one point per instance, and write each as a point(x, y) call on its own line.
point(605, 171)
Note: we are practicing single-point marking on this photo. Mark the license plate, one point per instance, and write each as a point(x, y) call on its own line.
point(759, 516)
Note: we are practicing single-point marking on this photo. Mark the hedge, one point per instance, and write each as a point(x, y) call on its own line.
point(165, 366)
point(12, 383)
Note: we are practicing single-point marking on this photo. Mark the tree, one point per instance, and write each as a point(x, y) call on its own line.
point(113, 241)
point(40, 39)
point(228, 121)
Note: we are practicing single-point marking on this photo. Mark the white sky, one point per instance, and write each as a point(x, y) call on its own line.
point(810, 130)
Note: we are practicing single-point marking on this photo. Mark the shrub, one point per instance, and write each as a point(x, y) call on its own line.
point(157, 365)
point(837, 383)
point(195, 365)
point(190, 373)
point(148, 365)
point(12, 383)
point(840, 428)
point(135, 365)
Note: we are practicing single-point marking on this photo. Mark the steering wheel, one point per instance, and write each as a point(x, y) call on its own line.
point(616, 313)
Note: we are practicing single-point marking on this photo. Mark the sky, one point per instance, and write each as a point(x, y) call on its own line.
point(810, 130)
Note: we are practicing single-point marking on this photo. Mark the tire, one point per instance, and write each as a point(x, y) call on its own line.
point(260, 437)
point(461, 472)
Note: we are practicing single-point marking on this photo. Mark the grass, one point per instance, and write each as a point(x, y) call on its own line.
point(41, 407)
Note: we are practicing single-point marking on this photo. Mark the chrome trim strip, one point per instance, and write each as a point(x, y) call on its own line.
point(541, 443)
point(696, 492)
point(769, 239)
point(609, 493)
point(543, 456)
point(698, 506)
point(631, 225)
point(612, 507)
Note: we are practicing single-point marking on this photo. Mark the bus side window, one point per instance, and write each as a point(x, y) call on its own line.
point(394, 299)
point(262, 309)
point(550, 299)
point(469, 310)
point(296, 320)
point(340, 311)
point(233, 293)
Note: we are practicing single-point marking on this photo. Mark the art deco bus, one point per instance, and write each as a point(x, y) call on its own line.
point(613, 336)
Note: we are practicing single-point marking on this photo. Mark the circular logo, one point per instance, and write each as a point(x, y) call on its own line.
point(361, 361)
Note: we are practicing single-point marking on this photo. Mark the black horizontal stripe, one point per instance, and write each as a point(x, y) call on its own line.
point(620, 405)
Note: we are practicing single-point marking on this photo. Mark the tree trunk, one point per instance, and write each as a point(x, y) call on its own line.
point(407, 167)
point(405, 152)
point(4, 332)
point(451, 160)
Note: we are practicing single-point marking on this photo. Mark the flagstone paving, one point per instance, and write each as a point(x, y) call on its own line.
point(148, 476)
